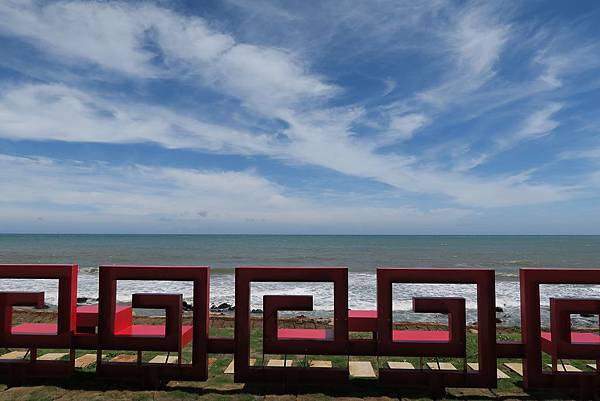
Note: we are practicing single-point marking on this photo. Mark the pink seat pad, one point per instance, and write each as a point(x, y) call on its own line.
point(35, 328)
point(576, 338)
point(421, 335)
point(144, 330)
point(305, 334)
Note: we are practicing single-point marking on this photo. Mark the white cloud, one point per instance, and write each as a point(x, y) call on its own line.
point(404, 126)
point(478, 40)
point(43, 112)
point(474, 39)
point(592, 153)
point(116, 36)
point(85, 196)
point(105, 34)
point(538, 124)
point(136, 190)
point(560, 60)
point(270, 81)
point(331, 147)
point(321, 137)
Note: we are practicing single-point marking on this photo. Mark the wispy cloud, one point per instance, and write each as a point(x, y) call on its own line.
point(269, 81)
point(420, 97)
point(54, 111)
point(175, 200)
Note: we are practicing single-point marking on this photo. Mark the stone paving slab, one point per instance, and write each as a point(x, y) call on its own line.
point(400, 365)
point(14, 355)
point(362, 369)
point(124, 358)
point(441, 366)
point(163, 359)
point(280, 363)
point(85, 360)
point(229, 370)
point(52, 356)
point(516, 367)
point(565, 368)
point(499, 374)
point(320, 364)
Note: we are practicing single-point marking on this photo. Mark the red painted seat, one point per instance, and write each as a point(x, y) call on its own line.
point(87, 317)
point(576, 338)
point(305, 334)
point(421, 335)
point(144, 330)
point(35, 328)
point(362, 320)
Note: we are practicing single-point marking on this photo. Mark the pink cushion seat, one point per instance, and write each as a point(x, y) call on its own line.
point(421, 335)
point(145, 330)
point(576, 338)
point(305, 334)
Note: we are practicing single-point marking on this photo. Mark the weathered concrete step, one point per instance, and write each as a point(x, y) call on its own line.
point(516, 367)
point(14, 355)
point(124, 358)
point(320, 364)
point(361, 369)
point(441, 366)
point(400, 365)
point(163, 359)
point(85, 360)
point(499, 374)
point(280, 363)
point(229, 370)
point(565, 368)
point(52, 356)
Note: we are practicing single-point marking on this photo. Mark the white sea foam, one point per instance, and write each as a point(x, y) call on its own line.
point(361, 293)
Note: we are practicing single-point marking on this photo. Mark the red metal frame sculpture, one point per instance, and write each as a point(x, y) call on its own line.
point(171, 337)
point(109, 326)
point(38, 335)
point(452, 344)
point(280, 341)
point(560, 342)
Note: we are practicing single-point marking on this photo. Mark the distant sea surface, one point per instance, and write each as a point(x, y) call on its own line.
point(361, 254)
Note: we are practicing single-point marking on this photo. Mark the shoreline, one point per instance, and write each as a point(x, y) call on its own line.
point(226, 320)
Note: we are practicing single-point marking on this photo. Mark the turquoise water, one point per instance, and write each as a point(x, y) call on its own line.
point(361, 254)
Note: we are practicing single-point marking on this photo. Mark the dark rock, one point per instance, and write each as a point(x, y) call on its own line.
point(224, 307)
point(187, 306)
point(499, 309)
point(44, 306)
point(498, 321)
point(256, 311)
point(586, 315)
point(82, 300)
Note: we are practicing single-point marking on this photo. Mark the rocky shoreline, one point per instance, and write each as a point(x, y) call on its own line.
point(226, 320)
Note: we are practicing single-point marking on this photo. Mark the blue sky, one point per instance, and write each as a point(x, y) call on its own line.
point(345, 117)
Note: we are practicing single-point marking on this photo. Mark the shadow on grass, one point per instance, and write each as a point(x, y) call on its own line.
point(88, 381)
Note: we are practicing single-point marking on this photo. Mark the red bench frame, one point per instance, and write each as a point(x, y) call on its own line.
point(33, 336)
point(437, 380)
point(338, 345)
point(150, 340)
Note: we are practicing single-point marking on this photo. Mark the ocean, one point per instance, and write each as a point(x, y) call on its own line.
point(361, 254)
